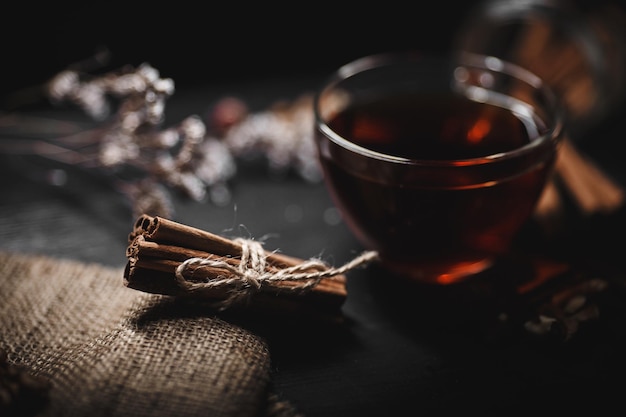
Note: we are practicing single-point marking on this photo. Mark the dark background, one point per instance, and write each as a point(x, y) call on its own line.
point(208, 43)
point(223, 42)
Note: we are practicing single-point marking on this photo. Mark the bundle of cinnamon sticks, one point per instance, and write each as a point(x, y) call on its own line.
point(170, 258)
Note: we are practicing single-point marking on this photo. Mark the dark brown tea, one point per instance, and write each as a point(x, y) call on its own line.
point(442, 200)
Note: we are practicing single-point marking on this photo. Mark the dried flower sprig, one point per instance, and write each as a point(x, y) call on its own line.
point(183, 156)
point(283, 133)
point(145, 93)
point(141, 157)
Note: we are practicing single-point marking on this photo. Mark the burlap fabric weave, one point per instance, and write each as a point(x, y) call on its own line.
point(112, 351)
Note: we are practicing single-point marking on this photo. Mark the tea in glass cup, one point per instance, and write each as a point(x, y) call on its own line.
point(436, 162)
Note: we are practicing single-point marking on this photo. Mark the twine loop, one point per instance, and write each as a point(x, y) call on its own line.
point(251, 274)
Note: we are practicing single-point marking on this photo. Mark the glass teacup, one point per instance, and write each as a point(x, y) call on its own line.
point(436, 162)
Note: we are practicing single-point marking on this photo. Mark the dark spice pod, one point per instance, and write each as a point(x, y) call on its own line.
point(21, 393)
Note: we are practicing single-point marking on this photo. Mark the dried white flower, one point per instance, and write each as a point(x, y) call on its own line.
point(284, 136)
point(92, 98)
point(155, 111)
point(215, 164)
point(162, 139)
point(149, 73)
point(63, 85)
point(130, 121)
point(164, 86)
point(193, 128)
point(117, 148)
point(189, 183)
point(126, 84)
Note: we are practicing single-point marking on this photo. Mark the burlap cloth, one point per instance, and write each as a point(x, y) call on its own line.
point(108, 350)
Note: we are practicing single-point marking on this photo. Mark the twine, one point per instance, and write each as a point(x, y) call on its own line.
point(251, 276)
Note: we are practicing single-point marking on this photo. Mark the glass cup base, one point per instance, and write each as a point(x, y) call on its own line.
point(439, 273)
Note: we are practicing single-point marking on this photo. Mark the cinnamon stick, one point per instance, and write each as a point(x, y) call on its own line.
point(167, 231)
point(312, 304)
point(560, 62)
point(593, 190)
point(563, 65)
point(166, 258)
point(159, 247)
point(550, 203)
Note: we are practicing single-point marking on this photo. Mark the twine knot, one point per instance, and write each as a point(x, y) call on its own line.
point(252, 274)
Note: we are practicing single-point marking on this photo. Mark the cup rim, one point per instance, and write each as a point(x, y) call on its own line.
point(552, 135)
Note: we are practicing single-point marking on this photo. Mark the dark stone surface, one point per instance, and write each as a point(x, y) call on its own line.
point(403, 349)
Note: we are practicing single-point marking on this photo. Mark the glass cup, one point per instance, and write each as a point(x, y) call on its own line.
point(577, 47)
point(436, 162)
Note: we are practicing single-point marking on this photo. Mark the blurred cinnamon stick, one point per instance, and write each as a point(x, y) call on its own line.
point(592, 189)
point(563, 65)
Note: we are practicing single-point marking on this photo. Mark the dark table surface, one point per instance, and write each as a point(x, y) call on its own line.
point(401, 347)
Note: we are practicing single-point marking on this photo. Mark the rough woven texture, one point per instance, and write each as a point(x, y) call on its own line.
point(112, 351)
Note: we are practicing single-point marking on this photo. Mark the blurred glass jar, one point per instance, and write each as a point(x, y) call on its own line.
point(577, 47)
